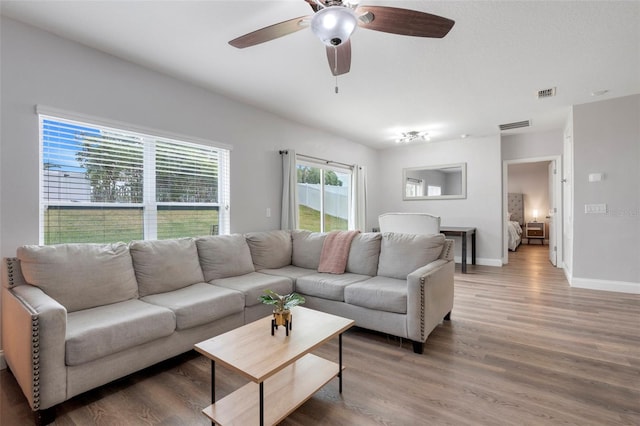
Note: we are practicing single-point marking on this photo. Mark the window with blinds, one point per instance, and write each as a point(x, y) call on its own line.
point(102, 184)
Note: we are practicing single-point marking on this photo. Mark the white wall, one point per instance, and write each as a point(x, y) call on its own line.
point(40, 68)
point(482, 207)
point(606, 248)
point(532, 145)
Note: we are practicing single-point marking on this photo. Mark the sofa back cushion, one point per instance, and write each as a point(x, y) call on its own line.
point(223, 256)
point(80, 276)
point(165, 265)
point(306, 248)
point(270, 249)
point(401, 254)
point(364, 254)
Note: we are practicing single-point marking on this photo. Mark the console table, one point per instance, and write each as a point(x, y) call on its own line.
point(463, 232)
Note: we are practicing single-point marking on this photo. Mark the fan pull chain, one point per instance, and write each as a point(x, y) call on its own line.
point(335, 66)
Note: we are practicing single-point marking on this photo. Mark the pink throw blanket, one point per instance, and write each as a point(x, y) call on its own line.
point(335, 251)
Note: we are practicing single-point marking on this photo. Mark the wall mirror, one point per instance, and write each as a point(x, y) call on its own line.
point(443, 182)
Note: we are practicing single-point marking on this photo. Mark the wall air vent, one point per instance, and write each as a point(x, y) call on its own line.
point(515, 125)
point(546, 93)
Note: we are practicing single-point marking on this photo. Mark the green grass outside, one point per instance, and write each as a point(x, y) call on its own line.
point(112, 225)
point(310, 220)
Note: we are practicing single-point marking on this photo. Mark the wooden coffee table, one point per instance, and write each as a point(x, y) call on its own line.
point(283, 372)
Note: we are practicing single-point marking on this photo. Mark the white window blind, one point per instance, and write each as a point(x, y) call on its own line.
point(101, 184)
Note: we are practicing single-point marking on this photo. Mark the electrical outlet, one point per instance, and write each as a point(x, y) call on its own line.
point(268, 211)
point(595, 208)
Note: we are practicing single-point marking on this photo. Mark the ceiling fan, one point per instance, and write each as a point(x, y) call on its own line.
point(335, 20)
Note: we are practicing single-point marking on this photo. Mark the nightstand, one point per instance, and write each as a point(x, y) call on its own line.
point(535, 231)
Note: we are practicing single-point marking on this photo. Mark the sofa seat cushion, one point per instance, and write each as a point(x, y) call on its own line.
point(327, 286)
point(104, 330)
point(401, 254)
point(223, 256)
point(379, 293)
point(293, 272)
point(254, 284)
point(165, 265)
point(80, 276)
point(199, 303)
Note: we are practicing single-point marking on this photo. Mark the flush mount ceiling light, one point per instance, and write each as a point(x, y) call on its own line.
point(413, 136)
point(334, 24)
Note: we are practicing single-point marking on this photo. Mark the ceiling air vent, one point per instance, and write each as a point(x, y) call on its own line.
point(515, 125)
point(546, 93)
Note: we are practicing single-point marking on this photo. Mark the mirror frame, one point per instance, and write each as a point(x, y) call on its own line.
point(463, 189)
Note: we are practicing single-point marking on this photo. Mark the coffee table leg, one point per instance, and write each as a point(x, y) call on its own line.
point(261, 403)
point(340, 363)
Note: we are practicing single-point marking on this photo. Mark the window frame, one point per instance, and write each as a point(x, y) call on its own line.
point(149, 138)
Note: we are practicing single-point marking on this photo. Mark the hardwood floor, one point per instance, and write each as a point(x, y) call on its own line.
point(522, 348)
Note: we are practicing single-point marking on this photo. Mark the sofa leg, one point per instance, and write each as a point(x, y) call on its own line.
point(418, 347)
point(448, 316)
point(44, 417)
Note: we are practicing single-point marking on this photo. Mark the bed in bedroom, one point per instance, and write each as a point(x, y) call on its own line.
point(515, 220)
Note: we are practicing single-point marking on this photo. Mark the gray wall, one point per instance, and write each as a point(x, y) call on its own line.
point(39, 68)
point(482, 207)
point(606, 139)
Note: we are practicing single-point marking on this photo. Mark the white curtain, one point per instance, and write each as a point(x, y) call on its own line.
point(359, 197)
point(289, 218)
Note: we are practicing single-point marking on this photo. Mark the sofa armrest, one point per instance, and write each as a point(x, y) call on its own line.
point(429, 297)
point(33, 339)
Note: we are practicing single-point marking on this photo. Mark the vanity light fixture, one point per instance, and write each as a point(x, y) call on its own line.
point(413, 135)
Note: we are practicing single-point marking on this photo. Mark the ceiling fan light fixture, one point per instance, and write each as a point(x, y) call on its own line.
point(334, 25)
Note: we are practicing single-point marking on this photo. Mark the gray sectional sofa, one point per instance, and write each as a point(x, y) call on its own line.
point(77, 316)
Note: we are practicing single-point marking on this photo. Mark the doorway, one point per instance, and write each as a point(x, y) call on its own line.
point(538, 182)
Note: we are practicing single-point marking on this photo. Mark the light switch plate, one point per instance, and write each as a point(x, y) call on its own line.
point(595, 208)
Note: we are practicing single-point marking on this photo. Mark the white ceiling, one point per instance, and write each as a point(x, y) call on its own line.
point(485, 72)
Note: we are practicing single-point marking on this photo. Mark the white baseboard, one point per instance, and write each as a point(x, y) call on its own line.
point(480, 261)
point(3, 363)
point(605, 285)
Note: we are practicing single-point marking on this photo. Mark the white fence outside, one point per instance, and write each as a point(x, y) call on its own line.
point(336, 198)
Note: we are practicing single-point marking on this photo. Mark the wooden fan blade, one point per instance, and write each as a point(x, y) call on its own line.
point(403, 21)
point(313, 5)
point(339, 58)
point(269, 33)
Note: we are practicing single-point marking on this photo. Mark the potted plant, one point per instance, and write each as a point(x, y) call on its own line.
point(282, 305)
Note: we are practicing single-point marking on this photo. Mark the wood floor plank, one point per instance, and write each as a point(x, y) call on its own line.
point(522, 348)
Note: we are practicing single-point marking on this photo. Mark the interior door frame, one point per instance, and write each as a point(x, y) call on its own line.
point(557, 183)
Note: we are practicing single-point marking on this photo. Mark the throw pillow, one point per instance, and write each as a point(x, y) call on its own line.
point(307, 247)
point(80, 276)
point(165, 265)
point(401, 254)
point(270, 249)
point(223, 256)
